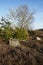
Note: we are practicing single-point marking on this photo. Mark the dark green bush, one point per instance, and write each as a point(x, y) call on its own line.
point(31, 32)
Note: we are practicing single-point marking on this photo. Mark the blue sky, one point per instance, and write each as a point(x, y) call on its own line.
point(37, 5)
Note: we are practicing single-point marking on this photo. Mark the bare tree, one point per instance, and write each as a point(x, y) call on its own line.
point(23, 16)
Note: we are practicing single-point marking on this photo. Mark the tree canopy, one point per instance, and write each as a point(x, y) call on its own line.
point(23, 16)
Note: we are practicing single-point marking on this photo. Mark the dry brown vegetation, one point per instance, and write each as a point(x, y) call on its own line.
point(32, 54)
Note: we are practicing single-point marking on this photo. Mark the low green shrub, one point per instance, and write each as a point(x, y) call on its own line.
point(21, 34)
